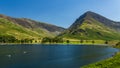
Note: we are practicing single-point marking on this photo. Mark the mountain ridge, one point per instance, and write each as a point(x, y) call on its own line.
point(14, 20)
point(93, 14)
point(38, 29)
point(91, 25)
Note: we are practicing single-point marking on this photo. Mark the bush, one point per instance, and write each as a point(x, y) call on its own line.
point(52, 40)
point(7, 39)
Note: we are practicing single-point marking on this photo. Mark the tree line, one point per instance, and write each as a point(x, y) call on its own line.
point(60, 40)
point(52, 40)
point(12, 39)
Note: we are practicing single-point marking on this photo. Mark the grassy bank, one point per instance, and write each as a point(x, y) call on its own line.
point(72, 41)
point(113, 62)
point(96, 42)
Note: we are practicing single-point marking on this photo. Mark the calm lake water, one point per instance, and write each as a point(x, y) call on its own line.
point(61, 56)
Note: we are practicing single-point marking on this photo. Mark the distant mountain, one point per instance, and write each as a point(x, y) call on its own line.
point(27, 28)
point(93, 26)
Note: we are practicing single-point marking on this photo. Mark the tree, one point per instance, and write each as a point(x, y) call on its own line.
point(106, 42)
point(81, 41)
point(57, 40)
point(93, 41)
point(118, 44)
point(7, 39)
point(67, 41)
point(52, 40)
point(46, 39)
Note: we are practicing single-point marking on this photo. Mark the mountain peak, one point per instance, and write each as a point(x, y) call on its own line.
point(89, 12)
point(92, 16)
point(86, 16)
point(93, 26)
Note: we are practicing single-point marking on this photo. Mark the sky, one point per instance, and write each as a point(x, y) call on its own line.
point(59, 12)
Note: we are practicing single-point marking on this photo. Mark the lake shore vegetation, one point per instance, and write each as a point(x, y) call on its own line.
point(112, 62)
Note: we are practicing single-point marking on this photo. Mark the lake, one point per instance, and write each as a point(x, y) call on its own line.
point(52, 56)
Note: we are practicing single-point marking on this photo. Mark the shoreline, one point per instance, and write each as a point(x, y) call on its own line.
point(58, 44)
point(110, 62)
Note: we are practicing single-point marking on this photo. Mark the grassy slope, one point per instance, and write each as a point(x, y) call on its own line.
point(38, 27)
point(94, 30)
point(9, 28)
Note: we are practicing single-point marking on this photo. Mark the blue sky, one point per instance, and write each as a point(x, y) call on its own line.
point(59, 12)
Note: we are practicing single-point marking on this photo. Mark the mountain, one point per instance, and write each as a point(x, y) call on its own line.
point(93, 26)
point(27, 28)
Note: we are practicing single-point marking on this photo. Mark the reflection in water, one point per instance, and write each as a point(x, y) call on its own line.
point(39, 56)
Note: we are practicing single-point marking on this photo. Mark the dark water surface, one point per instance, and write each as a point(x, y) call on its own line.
point(61, 56)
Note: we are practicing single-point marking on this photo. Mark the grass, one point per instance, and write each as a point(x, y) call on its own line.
point(87, 42)
point(8, 27)
point(76, 41)
point(113, 62)
point(117, 45)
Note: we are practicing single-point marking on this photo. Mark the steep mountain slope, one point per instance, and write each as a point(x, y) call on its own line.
point(93, 26)
point(27, 28)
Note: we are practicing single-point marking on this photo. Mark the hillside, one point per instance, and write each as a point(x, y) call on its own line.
point(27, 28)
point(93, 26)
